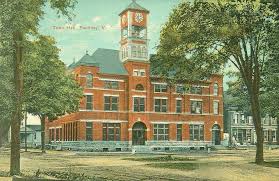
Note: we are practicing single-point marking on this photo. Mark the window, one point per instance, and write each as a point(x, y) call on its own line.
point(136, 72)
point(134, 51)
point(179, 132)
point(242, 119)
point(178, 106)
point(111, 85)
point(125, 32)
point(196, 107)
point(273, 121)
point(138, 51)
point(265, 135)
point(216, 107)
point(250, 119)
point(160, 88)
point(273, 135)
point(179, 89)
point(89, 126)
point(57, 134)
point(139, 87)
point(265, 120)
point(51, 134)
point(60, 131)
point(143, 52)
point(139, 105)
point(111, 103)
point(89, 105)
point(142, 72)
point(161, 132)
point(160, 105)
point(215, 89)
point(139, 72)
point(196, 132)
point(89, 80)
point(196, 90)
point(111, 132)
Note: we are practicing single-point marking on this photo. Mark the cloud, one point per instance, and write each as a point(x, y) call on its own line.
point(96, 19)
point(110, 27)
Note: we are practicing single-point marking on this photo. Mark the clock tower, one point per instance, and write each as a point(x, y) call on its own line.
point(134, 42)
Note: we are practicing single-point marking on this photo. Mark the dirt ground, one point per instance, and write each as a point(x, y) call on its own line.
point(235, 165)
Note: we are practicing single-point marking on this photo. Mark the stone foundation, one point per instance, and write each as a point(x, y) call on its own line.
point(124, 146)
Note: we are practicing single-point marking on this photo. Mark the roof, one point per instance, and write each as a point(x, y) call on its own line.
point(134, 6)
point(107, 60)
point(28, 130)
point(34, 127)
point(86, 60)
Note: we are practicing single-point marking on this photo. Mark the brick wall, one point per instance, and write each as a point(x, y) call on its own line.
point(126, 91)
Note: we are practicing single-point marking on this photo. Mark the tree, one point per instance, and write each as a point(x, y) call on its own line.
point(6, 98)
point(48, 90)
point(200, 37)
point(19, 18)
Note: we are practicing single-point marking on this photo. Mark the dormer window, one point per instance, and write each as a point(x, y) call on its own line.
point(215, 91)
point(89, 80)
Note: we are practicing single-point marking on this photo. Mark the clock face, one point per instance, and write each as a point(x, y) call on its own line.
point(124, 19)
point(139, 17)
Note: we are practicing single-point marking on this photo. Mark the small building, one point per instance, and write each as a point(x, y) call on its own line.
point(32, 133)
point(241, 128)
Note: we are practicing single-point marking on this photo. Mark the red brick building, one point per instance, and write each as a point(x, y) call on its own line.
point(125, 105)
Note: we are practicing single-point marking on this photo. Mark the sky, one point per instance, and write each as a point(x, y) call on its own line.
point(102, 17)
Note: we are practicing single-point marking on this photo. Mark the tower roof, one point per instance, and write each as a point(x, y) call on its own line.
point(134, 6)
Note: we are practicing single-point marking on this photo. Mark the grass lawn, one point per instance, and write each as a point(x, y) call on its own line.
point(222, 165)
point(160, 158)
point(274, 164)
point(177, 165)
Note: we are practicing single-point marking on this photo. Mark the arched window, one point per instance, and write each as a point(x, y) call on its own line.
point(215, 91)
point(139, 87)
point(89, 80)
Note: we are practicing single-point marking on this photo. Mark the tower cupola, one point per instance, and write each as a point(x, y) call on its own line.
point(134, 42)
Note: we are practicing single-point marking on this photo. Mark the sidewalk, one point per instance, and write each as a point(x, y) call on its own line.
point(5, 178)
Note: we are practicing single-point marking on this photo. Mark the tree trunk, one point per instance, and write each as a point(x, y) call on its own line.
point(17, 114)
point(43, 118)
point(255, 106)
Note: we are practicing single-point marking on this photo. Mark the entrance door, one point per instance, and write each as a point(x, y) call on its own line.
point(216, 137)
point(139, 134)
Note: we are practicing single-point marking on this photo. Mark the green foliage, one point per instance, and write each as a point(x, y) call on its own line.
point(237, 96)
point(201, 37)
point(48, 89)
point(7, 96)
